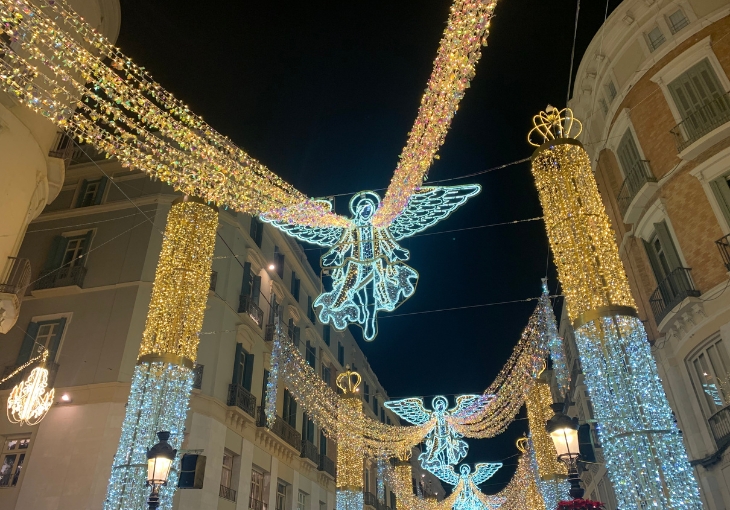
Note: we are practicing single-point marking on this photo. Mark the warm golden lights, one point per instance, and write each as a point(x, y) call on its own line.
point(539, 412)
point(29, 401)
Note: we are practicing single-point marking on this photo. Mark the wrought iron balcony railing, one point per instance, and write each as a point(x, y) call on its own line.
point(242, 398)
point(17, 278)
point(327, 465)
point(309, 451)
point(246, 305)
point(62, 277)
point(62, 148)
point(13, 381)
point(723, 244)
point(256, 504)
point(281, 428)
point(720, 426)
point(227, 493)
point(700, 122)
point(638, 175)
point(369, 499)
point(671, 291)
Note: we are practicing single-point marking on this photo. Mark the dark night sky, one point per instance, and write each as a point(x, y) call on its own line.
point(324, 93)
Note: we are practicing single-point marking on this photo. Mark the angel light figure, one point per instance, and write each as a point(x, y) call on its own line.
point(469, 496)
point(366, 262)
point(444, 445)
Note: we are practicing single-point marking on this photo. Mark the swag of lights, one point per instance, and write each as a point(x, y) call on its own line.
point(55, 64)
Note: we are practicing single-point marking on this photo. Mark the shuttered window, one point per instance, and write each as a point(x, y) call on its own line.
point(290, 409)
point(256, 231)
point(628, 154)
point(91, 192)
point(41, 335)
point(721, 189)
point(243, 368)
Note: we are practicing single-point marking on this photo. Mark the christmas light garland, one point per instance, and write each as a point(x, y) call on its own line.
point(646, 460)
point(539, 412)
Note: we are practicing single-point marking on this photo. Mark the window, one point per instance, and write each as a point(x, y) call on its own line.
point(375, 405)
point(279, 262)
point(700, 99)
point(263, 387)
point(326, 333)
point(611, 90)
point(302, 501)
point(310, 311)
point(322, 505)
point(604, 106)
point(326, 374)
point(392, 500)
point(387, 420)
point(295, 285)
point(242, 368)
point(662, 254)
point(256, 231)
point(366, 391)
point(311, 355)
point(655, 38)
point(290, 409)
point(382, 415)
point(677, 21)
point(13, 456)
point(251, 285)
point(227, 471)
point(293, 332)
point(281, 495)
point(308, 428)
point(341, 354)
point(41, 335)
point(91, 192)
point(630, 160)
point(213, 280)
point(366, 480)
point(721, 189)
point(711, 375)
point(256, 499)
point(322, 443)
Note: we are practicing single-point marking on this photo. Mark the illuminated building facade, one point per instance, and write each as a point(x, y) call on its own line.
point(652, 91)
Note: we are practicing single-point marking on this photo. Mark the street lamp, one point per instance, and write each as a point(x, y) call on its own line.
point(159, 462)
point(563, 431)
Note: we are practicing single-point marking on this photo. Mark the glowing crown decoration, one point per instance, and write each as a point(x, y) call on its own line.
point(349, 381)
point(29, 401)
point(552, 124)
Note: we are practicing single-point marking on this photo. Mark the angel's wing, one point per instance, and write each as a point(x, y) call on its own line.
point(428, 206)
point(410, 409)
point(484, 471)
point(447, 474)
point(321, 236)
point(467, 405)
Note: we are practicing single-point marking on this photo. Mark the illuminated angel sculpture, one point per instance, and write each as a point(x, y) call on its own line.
point(470, 497)
point(444, 445)
point(366, 262)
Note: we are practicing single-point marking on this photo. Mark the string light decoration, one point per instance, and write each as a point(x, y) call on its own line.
point(163, 378)
point(539, 400)
point(557, 348)
point(399, 479)
point(645, 457)
point(366, 263)
point(29, 401)
point(467, 482)
point(522, 492)
point(444, 445)
point(350, 452)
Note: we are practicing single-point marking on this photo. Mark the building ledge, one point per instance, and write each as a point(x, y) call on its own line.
point(66, 290)
point(705, 142)
point(638, 203)
point(682, 317)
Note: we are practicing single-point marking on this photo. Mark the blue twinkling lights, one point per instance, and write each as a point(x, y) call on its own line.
point(272, 384)
point(469, 497)
point(366, 263)
point(645, 457)
point(158, 400)
point(349, 499)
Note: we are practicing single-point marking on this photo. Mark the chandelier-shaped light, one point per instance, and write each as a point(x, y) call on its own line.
point(30, 400)
point(366, 263)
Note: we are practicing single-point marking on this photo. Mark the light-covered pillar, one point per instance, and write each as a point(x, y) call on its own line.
point(163, 378)
point(350, 443)
point(645, 457)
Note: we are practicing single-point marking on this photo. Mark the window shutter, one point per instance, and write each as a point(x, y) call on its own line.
point(585, 443)
point(665, 239)
point(293, 413)
point(721, 189)
point(26, 348)
point(248, 371)
point(655, 266)
point(56, 340)
point(263, 391)
point(100, 191)
point(695, 88)
point(237, 364)
point(87, 245)
point(256, 289)
point(326, 333)
point(82, 192)
point(628, 154)
point(55, 255)
point(322, 443)
point(259, 233)
point(296, 335)
point(246, 285)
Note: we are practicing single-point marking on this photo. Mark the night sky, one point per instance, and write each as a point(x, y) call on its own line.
point(324, 94)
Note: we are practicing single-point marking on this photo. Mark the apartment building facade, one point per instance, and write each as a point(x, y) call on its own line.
point(94, 251)
point(652, 92)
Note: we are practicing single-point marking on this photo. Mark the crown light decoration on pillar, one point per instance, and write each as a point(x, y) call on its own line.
point(163, 378)
point(646, 460)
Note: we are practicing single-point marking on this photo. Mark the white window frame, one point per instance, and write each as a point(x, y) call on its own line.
point(302, 500)
point(18, 452)
point(689, 367)
point(645, 228)
point(616, 133)
point(52, 317)
point(709, 170)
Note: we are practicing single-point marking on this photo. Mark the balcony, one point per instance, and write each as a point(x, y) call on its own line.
point(227, 493)
point(12, 288)
point(720, 426)
point(269, 332)
point(674, 289)
point(247, 306)
point(723, 244)
point(327, 465)
point(84, 153)
point(198, 376)
point(369, 499)
point(256, 504)
point(309, 451)
point(62, 277)
point(62, 148)
point(700, 129)
point(281, 428)
point(635, 191)
point(240, 397)
point(13, 381)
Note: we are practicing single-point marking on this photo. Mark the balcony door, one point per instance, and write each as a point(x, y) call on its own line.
point(665, 263)
point(710, 370)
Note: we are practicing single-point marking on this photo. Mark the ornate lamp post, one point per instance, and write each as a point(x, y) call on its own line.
point(159, 461)
point(563, 430)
